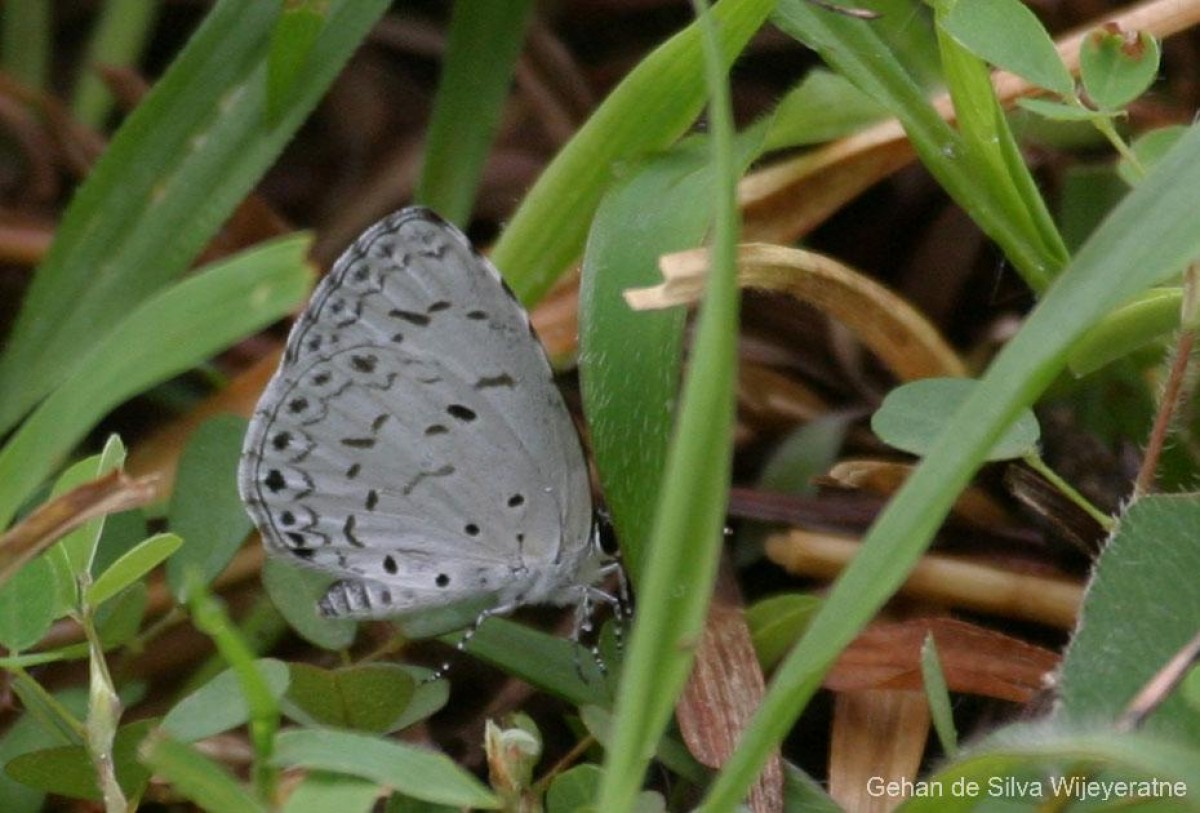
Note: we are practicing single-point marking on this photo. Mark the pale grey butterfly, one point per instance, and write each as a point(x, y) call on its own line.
point(413, 442)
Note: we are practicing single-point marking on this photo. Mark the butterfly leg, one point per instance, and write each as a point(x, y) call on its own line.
point(461, 646)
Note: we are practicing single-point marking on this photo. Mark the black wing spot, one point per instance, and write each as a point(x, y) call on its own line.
point(379, 421)
point(361, 274)
point(281, 441)
point(461, 412)
point(435, 429)
point(372, 499)
point(348, 530)
point(287, 518)
point(314, 344)
point(297, 405)
point(275, 481)
point(477, 315)
point(299, 540)
point(418, 319)
point(358, 443)
point(397, 338)
point(442, 580)
point(389, 565)
point(502, 380)
point(364, 364)
point(353, 471)
point(438, 306)
point(321, 379)
point(520, 537)
point(471, 529)
point(303, 553)
point(516, 500)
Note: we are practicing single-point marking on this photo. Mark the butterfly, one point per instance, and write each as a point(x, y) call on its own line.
point(413, 442)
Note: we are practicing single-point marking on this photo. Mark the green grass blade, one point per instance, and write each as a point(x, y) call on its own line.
point(117, 40)
point(170, 333)
point(485, 40)
point(676, 584)
point(173, 173)
point(25, 36)
point(855, 50)
point(648, 111)
point(1149, 237)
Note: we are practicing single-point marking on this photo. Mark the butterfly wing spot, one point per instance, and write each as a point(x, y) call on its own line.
point(364, 364)
point(275, 481)
point(348, 531)
point(444, 471)
point(390, 566)
point(516, 501)
point(502, 380)
point(435, 429)
point(353, 471)
point(358, 443)
point(372, 499)
point(413, 318)
point(477, 315)
point(462, 413)
point(437, 307)
point(442, 580)
point(471, 529)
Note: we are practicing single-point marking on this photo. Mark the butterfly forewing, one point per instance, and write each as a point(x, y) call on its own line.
point(413, 440)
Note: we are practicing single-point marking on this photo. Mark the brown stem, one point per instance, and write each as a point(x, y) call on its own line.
point(1166, 411)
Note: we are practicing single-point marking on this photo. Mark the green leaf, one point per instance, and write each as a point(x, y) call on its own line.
point(295, 592)
point(776, 623)
point(804, 454)
point(28, 605)
point(410, 770)
point(574, 789)
point(1117, 67)
point(630, 360)
point(369, 697)
point(292, 42)
point(1149, 147)
point(220, 704)
point(481, 52)
point(131, 567)
point(68, 771)
point(27, 36)
point(205, 507)
point(653, 106)
point(546, 661)
point(180, 163)
point(321, 792)
point(938, 697)
point(913, 416)
point(118, 621)
point(1059, 111)
point(824, 106)
point(73, 555)
point(163, 336)
point(117, 40)
point(25, 735)
point(198, 777)
point(1008, 35)
point(1140, 609)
